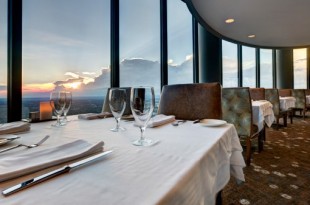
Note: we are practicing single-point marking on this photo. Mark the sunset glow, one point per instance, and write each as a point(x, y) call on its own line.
point(74, 85)
point(44, 87)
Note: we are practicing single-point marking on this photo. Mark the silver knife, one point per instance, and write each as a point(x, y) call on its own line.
point(52, 174)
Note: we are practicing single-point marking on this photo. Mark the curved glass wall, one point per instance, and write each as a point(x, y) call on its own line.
point(230, 64)
point(3, 60)
point(66, 46)
point(266, 72)
point(180, 45)
point(248, 67)
point(300, 68)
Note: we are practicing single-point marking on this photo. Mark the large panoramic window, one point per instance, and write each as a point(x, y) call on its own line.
point(3, 61)
point(300, 68)
point(266, 73)
point(180, 44)
point(248, 67)
point(140, 44)
point(230, 64)
point(66, 45)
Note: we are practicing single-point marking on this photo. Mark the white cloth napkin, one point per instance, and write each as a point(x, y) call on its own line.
point(14, 127)
point(160, 120)
point(23, 163)
point(93, 116)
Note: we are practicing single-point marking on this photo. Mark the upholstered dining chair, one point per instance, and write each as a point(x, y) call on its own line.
point(272, 95)
point(191, 101)
point(285, 92)
point(106, 107)
point(300, 104)
point(237, 110)
point(257, 93)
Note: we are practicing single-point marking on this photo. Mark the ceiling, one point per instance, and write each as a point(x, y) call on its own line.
point(275, 23)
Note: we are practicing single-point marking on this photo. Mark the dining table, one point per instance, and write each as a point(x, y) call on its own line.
point(262, 113)
point(287, 102)
point(188, 164)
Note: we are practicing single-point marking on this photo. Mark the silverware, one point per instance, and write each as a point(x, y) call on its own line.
point(52, 174)
point(28, 146)
point(176, 123)
point(196, 121)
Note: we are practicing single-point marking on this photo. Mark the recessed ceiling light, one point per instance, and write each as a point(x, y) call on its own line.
point(229, 20)
point(251, 36)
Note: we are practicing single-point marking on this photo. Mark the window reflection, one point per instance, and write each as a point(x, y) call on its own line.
point(230, 64)
point(3, 61)
point(180, 55)
point(248, 67)
point(266, 73)
point(300, 68)
point(66, 47)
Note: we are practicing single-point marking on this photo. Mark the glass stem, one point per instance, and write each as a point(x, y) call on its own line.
point(58, 119)
point(117, 123)
point(142, 129)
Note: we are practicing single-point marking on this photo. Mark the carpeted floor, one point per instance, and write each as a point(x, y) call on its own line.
point(280, 174)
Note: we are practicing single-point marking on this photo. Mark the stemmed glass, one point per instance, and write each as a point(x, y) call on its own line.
point(142, 102)
point(117, 103)
point(67, 106)
point(58, 102)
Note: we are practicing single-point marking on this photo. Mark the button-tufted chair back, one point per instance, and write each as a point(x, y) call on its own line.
point(191, 101)
point(285, 92)
point(300, 96)
point(237, 109)
point(257, 93)
point(272, 95)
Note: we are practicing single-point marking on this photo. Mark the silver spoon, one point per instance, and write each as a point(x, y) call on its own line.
point(28, 146)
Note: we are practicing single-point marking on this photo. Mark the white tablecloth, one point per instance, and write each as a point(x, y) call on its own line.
point(262, 112)
point(189, 165)
point(287, 102)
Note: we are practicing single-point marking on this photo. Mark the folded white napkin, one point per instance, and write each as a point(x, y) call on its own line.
point(160, 120)
point(14, 127)
point(23, 163)
point(93, 116)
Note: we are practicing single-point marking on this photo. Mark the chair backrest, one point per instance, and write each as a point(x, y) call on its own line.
point(191, 101)
point(285, 92)
point(300, 96)
point(106, 107)
point(272, 95)
point(257, 93)
point(237, 109)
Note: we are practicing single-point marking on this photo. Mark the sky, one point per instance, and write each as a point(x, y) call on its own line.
point(68, 42)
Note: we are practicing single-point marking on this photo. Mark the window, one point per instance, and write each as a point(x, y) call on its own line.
point(180, 46)
point(3, 61)
point(266, 72)
point(300, 68)
point(248, 67)
point(230, 64)
point(66, 46)
point(140, 44)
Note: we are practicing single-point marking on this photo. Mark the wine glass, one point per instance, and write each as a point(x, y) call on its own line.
point(58, 102)
point(67, 106)
point(117, 103)
point(142, 102)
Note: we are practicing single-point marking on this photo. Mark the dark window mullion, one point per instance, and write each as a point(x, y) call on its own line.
point(115, 72)
point(239, 56)
point(163, 43)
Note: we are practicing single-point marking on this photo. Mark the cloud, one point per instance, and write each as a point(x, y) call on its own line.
point(88, 73)
point(74, 75)
point(70, 80)
point(189, 57)
point(3, 87)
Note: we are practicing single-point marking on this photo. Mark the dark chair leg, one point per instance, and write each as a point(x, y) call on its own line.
point(248, 152)
point(260, 140)
point(285, 120)
point(219, 198)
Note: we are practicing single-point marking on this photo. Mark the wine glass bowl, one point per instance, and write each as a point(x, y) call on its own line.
point(117, 103)
point(68, 98)
point(142, 103)
point(58, 102)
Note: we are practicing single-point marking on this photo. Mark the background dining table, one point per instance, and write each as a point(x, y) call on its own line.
point(287, 102)
point(262, 113)
point(190, 164)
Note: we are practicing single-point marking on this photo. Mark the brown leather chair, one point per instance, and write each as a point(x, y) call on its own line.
point(257, 93)
point(237, 110)
point(285, 92)
point(272, 95)
point(191, 101)
point(300, 104)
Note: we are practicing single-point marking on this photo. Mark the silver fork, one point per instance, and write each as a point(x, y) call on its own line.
point(176, 123)
point(28, 146)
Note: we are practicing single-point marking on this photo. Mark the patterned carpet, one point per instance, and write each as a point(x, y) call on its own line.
point(280, 174)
